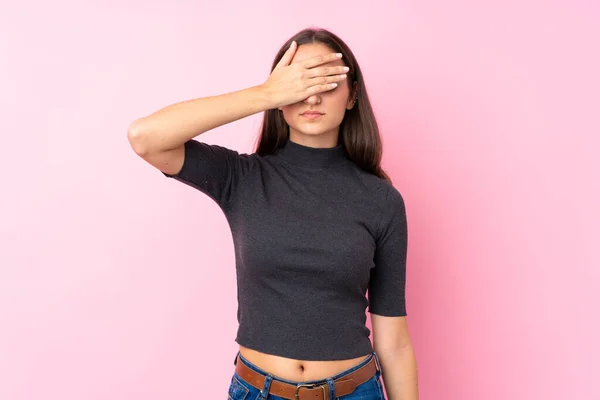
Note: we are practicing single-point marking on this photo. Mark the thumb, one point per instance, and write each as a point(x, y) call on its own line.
point(287, 56)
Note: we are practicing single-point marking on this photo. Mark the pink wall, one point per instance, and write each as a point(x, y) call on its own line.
point(117, 283)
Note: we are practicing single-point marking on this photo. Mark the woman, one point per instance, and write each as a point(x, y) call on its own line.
point(315, 224)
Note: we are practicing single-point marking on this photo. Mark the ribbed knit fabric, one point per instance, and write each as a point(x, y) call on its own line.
point(312, 234)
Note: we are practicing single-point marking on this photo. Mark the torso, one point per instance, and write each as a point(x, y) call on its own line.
point(297, 370)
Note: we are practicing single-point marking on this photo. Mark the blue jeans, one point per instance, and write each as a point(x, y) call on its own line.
point(369, 390)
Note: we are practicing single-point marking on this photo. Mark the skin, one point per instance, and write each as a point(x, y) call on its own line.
point(323, 131)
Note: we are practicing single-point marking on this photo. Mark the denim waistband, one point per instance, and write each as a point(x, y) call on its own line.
point(333, 377)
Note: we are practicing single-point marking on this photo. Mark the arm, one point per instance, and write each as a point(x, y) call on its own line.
point(391, 341)
point(169, 128)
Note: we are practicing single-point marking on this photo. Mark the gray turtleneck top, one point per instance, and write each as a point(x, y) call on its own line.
point(312, 232)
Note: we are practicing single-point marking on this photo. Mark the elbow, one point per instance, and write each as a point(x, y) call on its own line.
point(136, 139)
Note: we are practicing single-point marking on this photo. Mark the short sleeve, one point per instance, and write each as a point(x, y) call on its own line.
point(214, 170)
point(388, 277)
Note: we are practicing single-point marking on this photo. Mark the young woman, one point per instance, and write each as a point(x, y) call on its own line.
point(316, 223)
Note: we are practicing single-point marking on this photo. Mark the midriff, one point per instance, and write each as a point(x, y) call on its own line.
point(297, 370)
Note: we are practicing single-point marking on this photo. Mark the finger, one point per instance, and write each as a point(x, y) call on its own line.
point(325, 71)
point(323, 88)
point(325, 80)
point(288, 55)
point(321, 59)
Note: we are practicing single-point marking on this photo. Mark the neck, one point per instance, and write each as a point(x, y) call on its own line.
point(312, 157)
point(324, 140)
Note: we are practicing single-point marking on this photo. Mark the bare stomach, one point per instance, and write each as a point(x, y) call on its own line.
point(297, 370)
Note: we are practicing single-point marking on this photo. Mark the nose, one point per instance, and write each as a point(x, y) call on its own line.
point(314, 99)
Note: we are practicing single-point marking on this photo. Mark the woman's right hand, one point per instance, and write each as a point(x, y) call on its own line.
point(291, 83)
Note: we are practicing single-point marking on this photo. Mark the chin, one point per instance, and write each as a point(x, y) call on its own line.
point(313, 128)
point(312, 132)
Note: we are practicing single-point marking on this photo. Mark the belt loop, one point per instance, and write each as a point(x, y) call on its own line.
point(264, 393)
point(377, 361)
point(331, 385)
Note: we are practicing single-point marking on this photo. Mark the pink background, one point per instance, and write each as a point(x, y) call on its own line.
point(117, 283)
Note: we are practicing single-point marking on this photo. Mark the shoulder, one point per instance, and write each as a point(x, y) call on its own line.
point(383, 191)
point(387, 202)
point(393, 197)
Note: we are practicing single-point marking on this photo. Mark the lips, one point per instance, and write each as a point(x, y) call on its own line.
point(311, 113)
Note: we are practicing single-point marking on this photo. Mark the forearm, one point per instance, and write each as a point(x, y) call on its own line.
point(170, 127)
point(399, 372)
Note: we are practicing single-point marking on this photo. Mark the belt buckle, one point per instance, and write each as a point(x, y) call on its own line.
point(308, 385)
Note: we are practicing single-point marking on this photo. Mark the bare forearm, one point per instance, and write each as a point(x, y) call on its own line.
point(399, 372)
point(174, 125)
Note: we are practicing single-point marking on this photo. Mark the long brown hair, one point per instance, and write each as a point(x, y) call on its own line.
point(358, 130)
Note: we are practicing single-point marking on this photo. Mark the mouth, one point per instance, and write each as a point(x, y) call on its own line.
point(311, 115)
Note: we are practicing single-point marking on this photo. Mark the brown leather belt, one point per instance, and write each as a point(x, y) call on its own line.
point(343, 385)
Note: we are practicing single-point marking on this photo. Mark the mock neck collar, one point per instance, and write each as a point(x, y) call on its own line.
point(312, 157)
